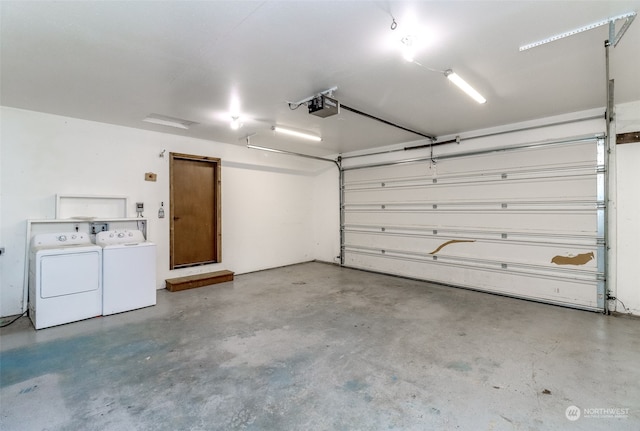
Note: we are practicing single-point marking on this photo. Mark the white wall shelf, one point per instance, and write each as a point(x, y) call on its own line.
point(90, 206)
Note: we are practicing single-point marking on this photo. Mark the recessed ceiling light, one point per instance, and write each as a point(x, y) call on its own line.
point(169, 121)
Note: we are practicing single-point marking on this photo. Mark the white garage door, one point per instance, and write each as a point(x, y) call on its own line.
point(524, 221)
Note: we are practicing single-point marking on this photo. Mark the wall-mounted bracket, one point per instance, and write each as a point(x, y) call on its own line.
point(615, 38)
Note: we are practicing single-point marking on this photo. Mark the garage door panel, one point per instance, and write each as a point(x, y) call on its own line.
point(557, 190)
point(390, 173)
point(525, 222)
point(565, 223)
point(581, 293)
point(537, 159)
point(500, 176)
point(577, 257)
point(479, 234)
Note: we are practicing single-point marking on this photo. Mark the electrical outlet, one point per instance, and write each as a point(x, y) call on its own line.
point(99, 227)
point(139, 207)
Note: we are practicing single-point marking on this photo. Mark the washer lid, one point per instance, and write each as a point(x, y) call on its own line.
point(37, 252)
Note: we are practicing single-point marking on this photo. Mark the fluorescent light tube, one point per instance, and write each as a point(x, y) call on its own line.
point(464, 86)
point(168, 121)
point(297, 134)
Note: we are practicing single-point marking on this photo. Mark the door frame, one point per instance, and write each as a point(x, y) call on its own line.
point(217, 204)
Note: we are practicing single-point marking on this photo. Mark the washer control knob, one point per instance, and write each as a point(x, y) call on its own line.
point(74, 236)
point(62, 238)
point(121, 235)
point(130, 233)
point(110, 235)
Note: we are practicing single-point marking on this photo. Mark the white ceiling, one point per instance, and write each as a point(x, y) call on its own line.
point(117, 62)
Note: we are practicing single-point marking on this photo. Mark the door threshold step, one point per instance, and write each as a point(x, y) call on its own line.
point(198, 280)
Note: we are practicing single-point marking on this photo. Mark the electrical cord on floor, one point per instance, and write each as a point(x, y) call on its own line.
point(12, 321)
point(624, 307)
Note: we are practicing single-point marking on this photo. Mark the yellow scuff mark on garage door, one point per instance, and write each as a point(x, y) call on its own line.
point(579, 259)
point(453, 241)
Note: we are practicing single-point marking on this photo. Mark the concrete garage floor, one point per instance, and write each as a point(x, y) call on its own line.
point(319, 347)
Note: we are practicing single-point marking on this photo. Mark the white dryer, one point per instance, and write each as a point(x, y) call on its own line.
point(65, 279)
point(128, 270)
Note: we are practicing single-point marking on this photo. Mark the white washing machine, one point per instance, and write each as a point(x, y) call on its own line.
point(128, 270)
point(65, 279)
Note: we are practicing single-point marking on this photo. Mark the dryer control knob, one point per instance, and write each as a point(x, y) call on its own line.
point(121, 235)
point(110, 235)
point(130, 233)
point(62, 238)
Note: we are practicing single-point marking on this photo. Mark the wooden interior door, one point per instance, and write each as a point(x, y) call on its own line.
point(196, 235)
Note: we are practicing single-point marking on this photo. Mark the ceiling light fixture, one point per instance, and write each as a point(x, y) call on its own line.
point(235, 123)
point(408, 50)
point(169, 121)
point(464, 86)
point(455, 78)
point(296, 133)
point(627, 16)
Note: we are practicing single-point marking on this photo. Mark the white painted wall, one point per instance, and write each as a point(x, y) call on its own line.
point(277, 209)
point(326, 213)
point(626, 202)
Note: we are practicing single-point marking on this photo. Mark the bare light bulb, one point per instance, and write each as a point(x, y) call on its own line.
point(408, 50)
